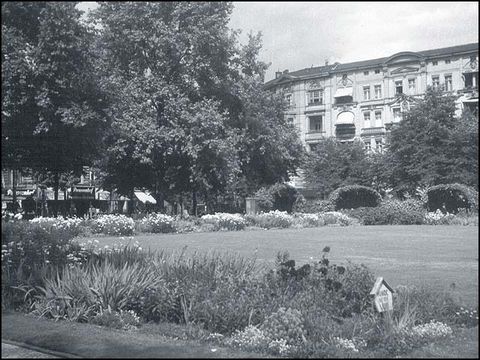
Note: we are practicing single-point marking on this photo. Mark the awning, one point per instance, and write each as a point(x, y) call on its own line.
point(145, 198)
point(470, 101)
point(345, 117)
point(348, 91)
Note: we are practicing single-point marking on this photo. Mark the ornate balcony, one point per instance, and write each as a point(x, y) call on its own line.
point(378, 130)
point(314, 135)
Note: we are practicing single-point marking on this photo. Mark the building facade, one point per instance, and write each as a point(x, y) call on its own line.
point(361, 100)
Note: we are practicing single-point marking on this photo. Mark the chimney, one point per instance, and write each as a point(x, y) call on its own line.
point(326, 62)
point(277, 74)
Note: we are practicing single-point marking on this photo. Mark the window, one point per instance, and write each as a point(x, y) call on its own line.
point(368, 146)
point(315, 97)
point(448, 82)
point(397, 115)
point(366, 92)
point(471, 80)
point(378, 118)
point(379, 145)
point(365, 73)
point(290, 120)
point(378, 91)
point(366, 118)
point(447, 61)
point(399, 87)
point(411, 86)
point(288, 99)
point(434, 63)
point(377, 71)
point(315, 123)
point(435, 81)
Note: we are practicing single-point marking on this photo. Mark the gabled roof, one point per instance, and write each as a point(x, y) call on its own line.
point(364, 64)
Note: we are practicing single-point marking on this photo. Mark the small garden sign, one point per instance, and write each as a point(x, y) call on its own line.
point(383, 294)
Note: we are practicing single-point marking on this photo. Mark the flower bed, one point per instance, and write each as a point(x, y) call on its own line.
point(112, 225)
point(224, 221)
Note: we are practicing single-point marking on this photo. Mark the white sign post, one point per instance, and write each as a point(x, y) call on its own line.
point(383, 295)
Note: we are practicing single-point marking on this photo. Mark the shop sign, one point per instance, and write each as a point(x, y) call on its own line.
point(83, 192)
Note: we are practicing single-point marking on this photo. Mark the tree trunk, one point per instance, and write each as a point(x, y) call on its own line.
point(55, 190)
point(64, 209)
point(194, 202)
point(14, 190)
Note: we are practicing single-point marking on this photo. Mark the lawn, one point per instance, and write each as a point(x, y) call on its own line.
point(439, 256)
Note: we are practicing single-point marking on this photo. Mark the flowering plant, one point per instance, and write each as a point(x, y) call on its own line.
point(113, 225)
point(225, 221)
point(157, 223)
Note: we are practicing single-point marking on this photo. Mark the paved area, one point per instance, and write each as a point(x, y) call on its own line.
point(10, 351)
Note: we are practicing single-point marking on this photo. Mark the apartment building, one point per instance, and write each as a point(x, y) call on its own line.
point(363, 99)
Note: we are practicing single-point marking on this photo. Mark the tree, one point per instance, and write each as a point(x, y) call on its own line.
point(270, 147)
point(190, 114)
point(431, 146)
point(53, 115)
point(334, 164)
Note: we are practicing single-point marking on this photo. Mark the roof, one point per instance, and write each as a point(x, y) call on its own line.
point(328, 69)
point(378, 284)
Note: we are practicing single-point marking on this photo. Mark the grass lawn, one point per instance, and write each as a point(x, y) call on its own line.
point(404, 255)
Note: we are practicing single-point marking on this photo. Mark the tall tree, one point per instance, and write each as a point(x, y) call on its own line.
point(50, 80)
point(431, 145)
point(333, 164)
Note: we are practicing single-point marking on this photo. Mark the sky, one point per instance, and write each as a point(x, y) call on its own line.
point(298, 35)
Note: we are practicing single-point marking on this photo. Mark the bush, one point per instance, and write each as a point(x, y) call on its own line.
point(451, 198)
point(124, 320)
point(354, 196)
point(277, 197)
point(303, 205)
point(336, 218)
point(272, 219)
point(390, 212)
point(156, 223)
point(224, 221)
point(308, 220)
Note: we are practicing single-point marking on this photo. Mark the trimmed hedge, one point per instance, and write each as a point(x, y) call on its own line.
point(451, 198)
point(277, 197)
point(354, 196)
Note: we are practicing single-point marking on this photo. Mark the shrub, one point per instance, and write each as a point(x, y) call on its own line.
point(225, 221)
point(124, 320)
point(285, 324)
point(354, 196)
point(272, 219)
point(156, 223)
point(308, 220)
point(312, 206)
point(336, 218)
point(390, 212)
point(277, 197)
point(113, 225)
point(451, 198)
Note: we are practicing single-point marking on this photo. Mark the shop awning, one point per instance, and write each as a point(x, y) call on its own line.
point(145, 198)
point(470, 101)
point(348, 91)
point(345, 117)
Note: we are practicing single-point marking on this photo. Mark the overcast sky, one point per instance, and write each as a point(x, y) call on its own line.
point(297, 35)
